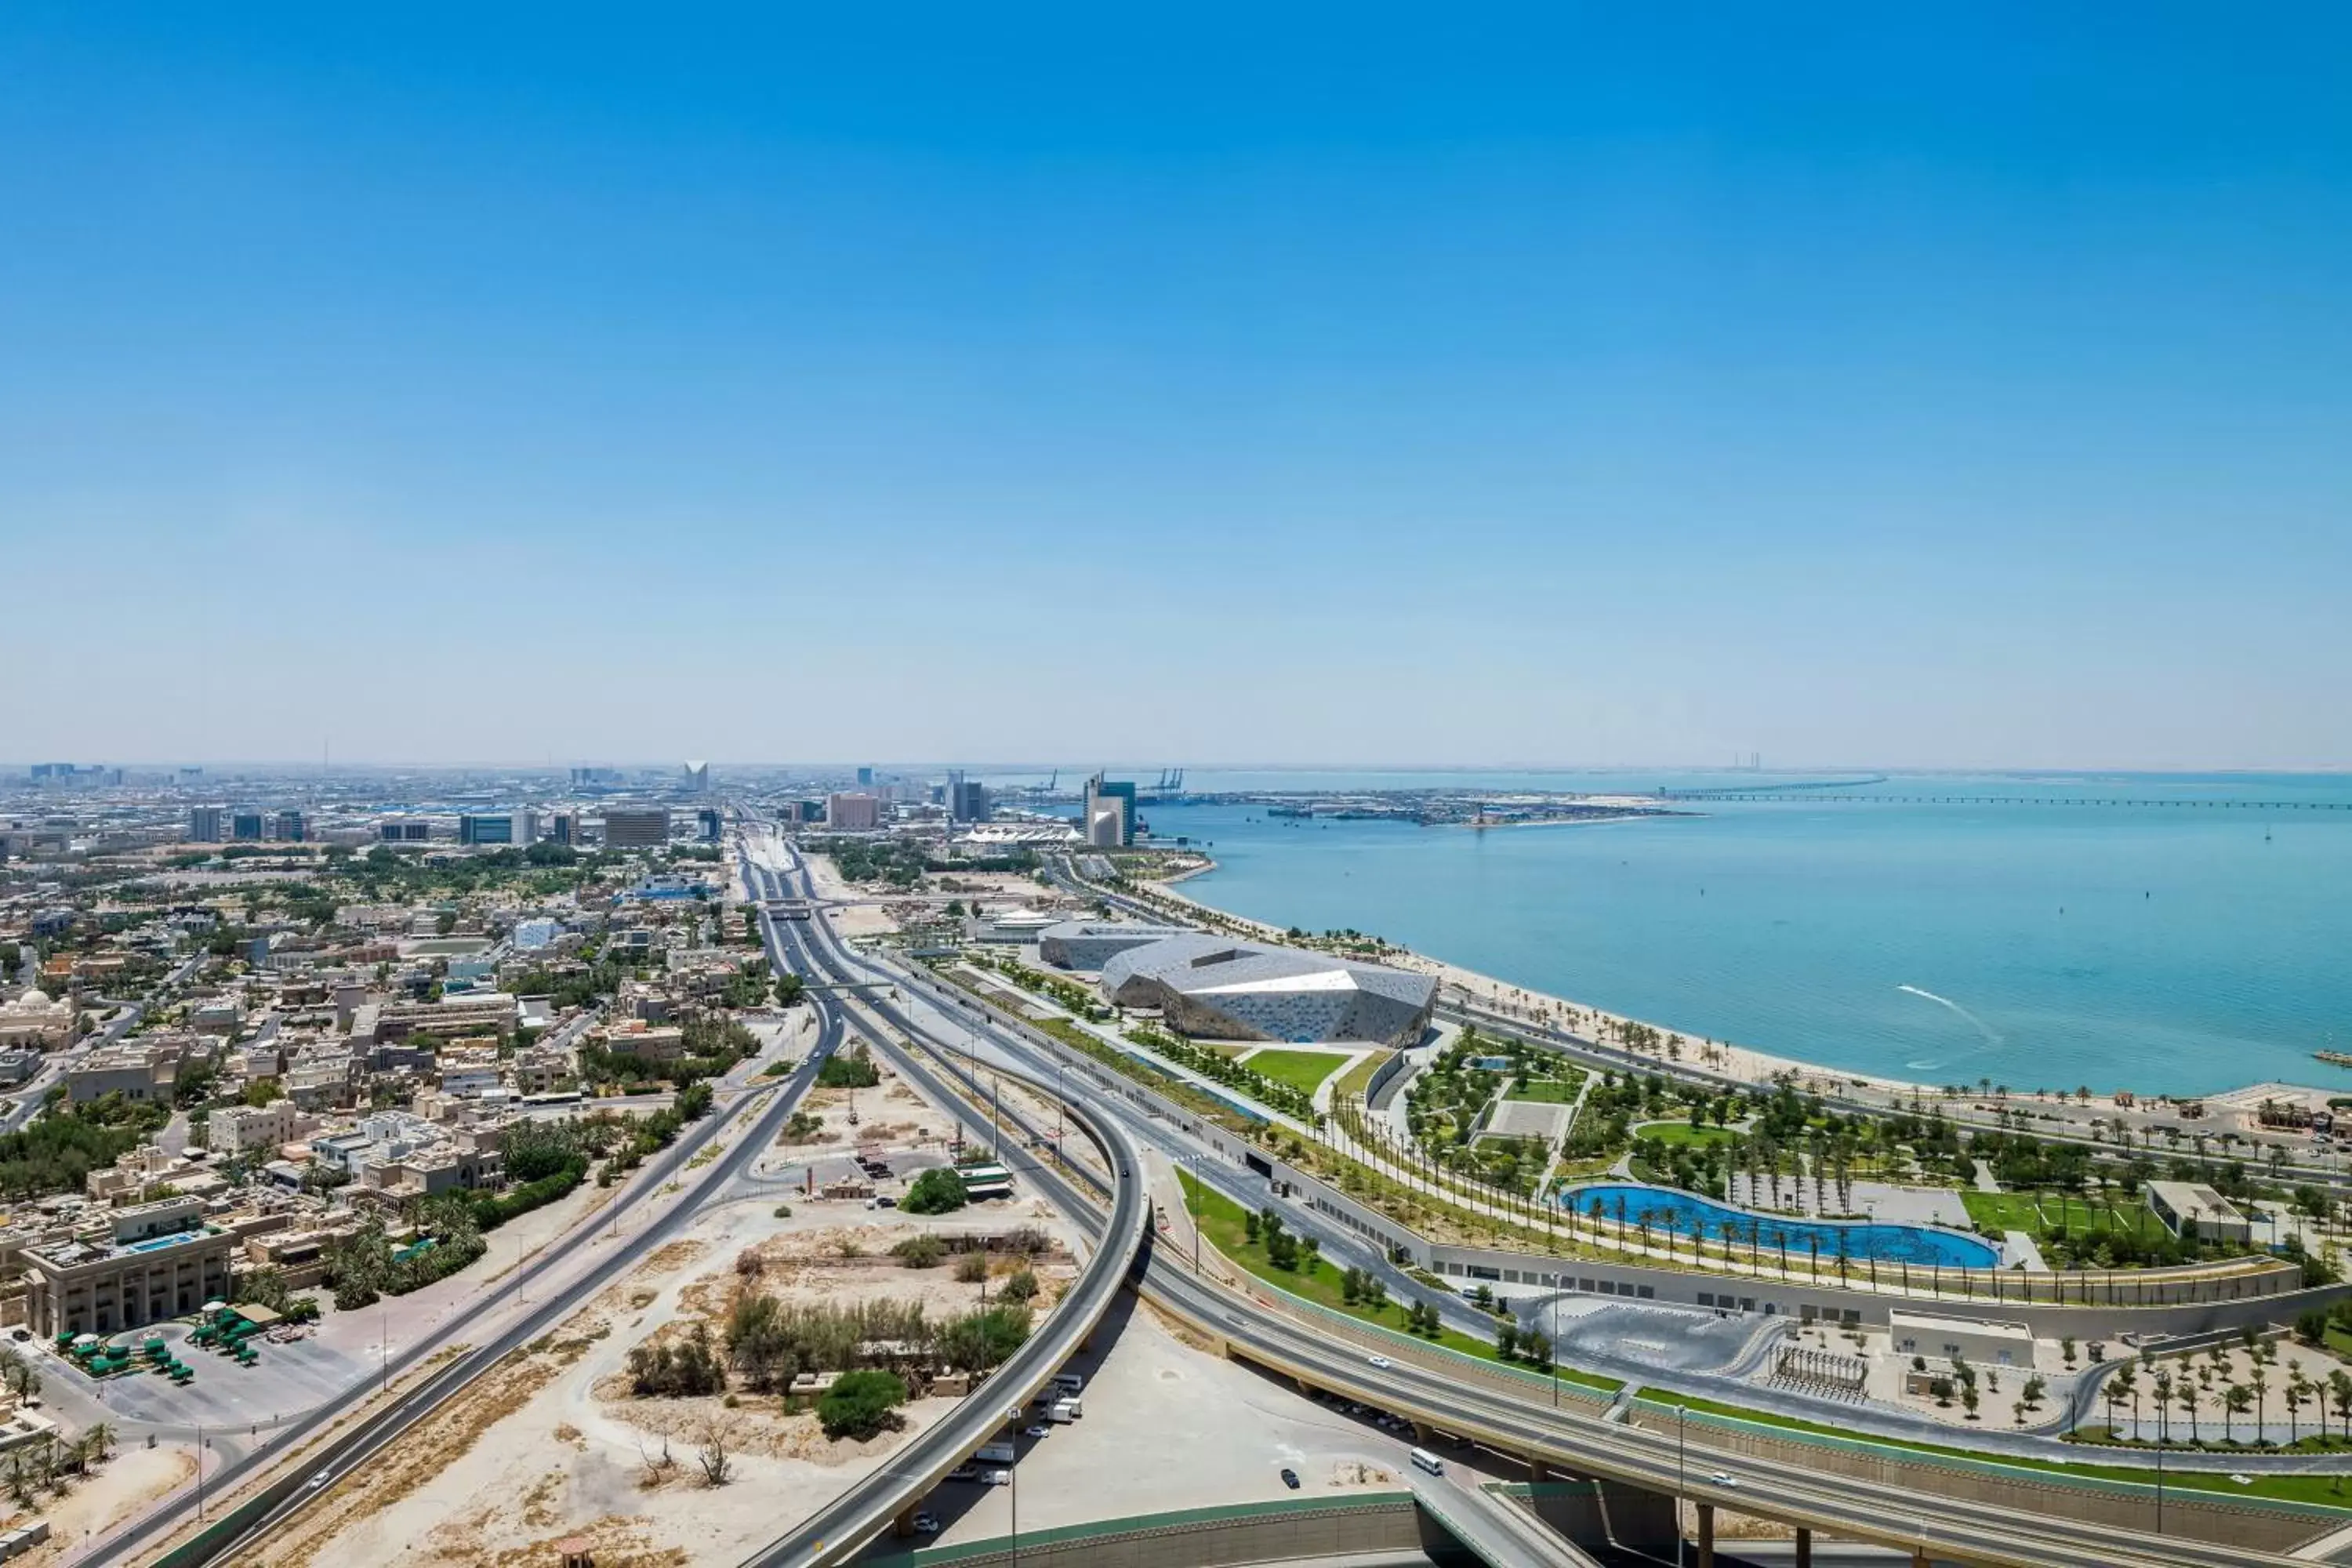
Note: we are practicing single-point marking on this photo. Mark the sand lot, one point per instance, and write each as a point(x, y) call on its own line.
point(554, 1444)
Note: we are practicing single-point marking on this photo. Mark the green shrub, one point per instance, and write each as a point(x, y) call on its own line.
point(936, 1191)
point(920, 1251)
point(861, 1404)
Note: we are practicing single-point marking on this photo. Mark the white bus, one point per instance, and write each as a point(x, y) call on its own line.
point(1423, 1459)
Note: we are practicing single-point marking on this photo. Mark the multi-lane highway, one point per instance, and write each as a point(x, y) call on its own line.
point(838, 1530)
point(1892, 1515)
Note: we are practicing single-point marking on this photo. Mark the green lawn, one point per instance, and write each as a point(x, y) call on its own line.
point(1359, 1077)
point(1549, 1090)
point(1225, 1226)
point(2038, 1214)
point(1303, 1070)
point(1682, 1132)
point(2322, 1490)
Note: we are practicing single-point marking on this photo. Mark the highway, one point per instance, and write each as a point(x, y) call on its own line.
point(838, 1530)
point(1889, 1515)
point(374, 1428)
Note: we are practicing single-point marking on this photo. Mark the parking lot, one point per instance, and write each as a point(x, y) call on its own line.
point(285, 1379)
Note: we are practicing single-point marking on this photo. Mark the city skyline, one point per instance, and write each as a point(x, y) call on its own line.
point(1962, 391)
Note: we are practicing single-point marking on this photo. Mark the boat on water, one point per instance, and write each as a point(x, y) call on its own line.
point(2337, 1059)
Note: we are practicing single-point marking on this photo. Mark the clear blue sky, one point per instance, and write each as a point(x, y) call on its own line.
point(1910, 385)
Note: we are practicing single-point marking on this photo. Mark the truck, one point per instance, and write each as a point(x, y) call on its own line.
point(994, 1454)
point(1068, 1383)
point(1065, 1410)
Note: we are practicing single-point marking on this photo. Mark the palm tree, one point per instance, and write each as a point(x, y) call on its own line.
point(2233, 1404)
point(2262, 1385)
point(2164, 1407)
point(2339, 1389)
point(2188, 1397)
point(2298, 1387)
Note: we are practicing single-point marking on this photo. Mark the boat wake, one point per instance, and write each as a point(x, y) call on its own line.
point(1992, 1037)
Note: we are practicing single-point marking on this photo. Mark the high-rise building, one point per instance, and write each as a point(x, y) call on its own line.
point(966, 799)
point(707, 824)
point(697, 778)
point(247, 825)
point(852, 813)
point(207, 824)
point(637, 826)
point(864, 777)
point(564, 828)
point(1110, 794)
point(582, 778)
point(292, 826)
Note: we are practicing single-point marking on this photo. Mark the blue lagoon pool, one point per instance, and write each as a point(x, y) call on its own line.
point(1686, 1215)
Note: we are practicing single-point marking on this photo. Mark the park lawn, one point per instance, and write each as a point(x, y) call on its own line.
point(1303, 1070)
point(1682, 1132)
point(1225, 1226)
point(1549, 1091)
point(2022, 1211)
point(1359, 1077)
point(2317, 1489)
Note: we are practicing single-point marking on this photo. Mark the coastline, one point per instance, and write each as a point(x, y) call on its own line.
point(1744, 1064)
point(1741, 1062)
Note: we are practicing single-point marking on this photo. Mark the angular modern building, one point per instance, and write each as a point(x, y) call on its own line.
point(1090, 944)
point(1222, 989)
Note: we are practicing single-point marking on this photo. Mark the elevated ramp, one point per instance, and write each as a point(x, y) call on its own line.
point(1493, 1530)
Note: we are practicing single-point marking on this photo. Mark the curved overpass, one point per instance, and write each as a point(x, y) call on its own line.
point(1890, 1515)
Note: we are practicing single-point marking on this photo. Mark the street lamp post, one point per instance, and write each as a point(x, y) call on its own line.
point(1680, 1413)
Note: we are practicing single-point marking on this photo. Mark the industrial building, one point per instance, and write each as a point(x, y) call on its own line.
point(1222, 989)
point(1090, 944)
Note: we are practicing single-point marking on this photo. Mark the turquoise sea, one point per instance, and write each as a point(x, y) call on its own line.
point(2186, 946)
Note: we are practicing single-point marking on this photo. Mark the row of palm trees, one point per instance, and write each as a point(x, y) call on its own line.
point(2233, 1399)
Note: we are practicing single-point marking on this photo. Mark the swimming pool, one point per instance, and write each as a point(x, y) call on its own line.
point(1685, 1215)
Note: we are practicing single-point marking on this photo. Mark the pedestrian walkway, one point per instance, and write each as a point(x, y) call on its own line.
point(1984, 1177)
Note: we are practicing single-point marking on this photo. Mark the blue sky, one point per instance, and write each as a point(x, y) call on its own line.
point(1909, 385)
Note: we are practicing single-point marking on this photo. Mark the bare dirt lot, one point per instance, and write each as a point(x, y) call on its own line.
point(555, 1444)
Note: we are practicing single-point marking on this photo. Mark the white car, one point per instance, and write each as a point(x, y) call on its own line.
point(1721, 1479)
point(927, 1524)
point(1382, 1361)
point(1040, 1430)
point(996, 1477)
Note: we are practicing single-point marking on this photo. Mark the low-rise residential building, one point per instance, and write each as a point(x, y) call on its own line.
point(467, 1013)
point(467, 1071)
point(142, 1068)
point(642, 1041)
point(241, 1129)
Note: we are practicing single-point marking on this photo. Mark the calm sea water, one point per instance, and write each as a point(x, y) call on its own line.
point(2180, 948)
